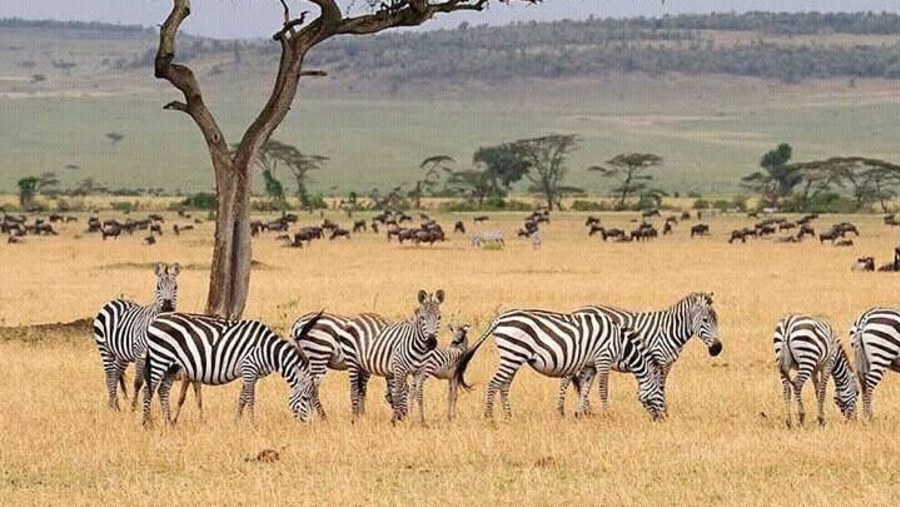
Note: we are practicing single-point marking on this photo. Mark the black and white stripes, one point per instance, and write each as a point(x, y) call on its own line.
point(120, 328)
point(810, 346)
point(397, 351)
point(559, 345)
point(214, 351)
point(875, 336)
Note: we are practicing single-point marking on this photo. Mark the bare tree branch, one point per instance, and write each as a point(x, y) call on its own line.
point(414, 13)
point(182, 78)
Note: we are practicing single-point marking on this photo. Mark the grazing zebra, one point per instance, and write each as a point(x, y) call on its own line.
point(328, 343)
point(561, 345)
point(810, 346)
point(440, 364)
point(119, 331)
point(215, 351)
point(489, 238)
point(397, 351)
point(663, 333)
point(876, 341)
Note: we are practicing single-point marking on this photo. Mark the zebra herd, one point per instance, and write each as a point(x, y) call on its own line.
point(574, 347)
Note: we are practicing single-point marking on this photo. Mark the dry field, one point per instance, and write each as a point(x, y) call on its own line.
point(723, 444)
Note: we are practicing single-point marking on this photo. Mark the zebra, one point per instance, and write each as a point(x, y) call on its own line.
point(440, 365)
point(663, 333)
point(561, 345)
point(119, 331)
point(215, 351)
point(876, 341)
point(488, 238)
point(810, 346)
point(397, 351)
point(326, 344)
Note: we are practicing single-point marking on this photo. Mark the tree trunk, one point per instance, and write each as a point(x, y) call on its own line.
point(229, 278)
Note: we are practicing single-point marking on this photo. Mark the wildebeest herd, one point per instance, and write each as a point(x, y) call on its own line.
point(576, 347)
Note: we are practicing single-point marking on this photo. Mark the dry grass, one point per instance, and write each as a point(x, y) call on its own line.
point(723, 444)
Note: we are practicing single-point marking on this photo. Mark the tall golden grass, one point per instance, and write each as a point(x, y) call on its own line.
point(723, 444)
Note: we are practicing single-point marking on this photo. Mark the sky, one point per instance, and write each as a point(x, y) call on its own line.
point(260, 18)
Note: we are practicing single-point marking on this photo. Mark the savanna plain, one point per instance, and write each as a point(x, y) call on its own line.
point(724, 441)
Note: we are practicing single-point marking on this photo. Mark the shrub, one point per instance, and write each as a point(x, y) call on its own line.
point(701, 204)
point(580, 205)
point(489, 204)
point(123, 206)
point(200, 200)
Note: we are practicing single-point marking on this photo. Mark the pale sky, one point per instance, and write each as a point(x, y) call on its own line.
point(260, 18)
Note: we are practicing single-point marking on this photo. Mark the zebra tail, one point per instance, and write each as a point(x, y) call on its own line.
point(460, 371)
point(308, 325)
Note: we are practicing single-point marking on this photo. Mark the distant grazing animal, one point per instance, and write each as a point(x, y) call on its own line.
point(156, 229)
point(612, 233)
point(667, 228)
point(738, 234)
point(685, 215)
point(876, 342)
point(650, 213)
point(644, 232)
point(788, 239)
point(150, 240)
point(700, 230)
point(15, 240)
point(178, 229)
point(111, 231)
point(806, 230)
point(594, 229)
point(893, 266)
point(481, 218)
point(488, 238)
point(591, 221)
point(156, 218)
point(375, 227)
point(459, 227)
point(339, 233)
point(763, 230)
point(784, 226)
point(810, 346)
point(844, 242)
point(308, 234)
point(430, 235)
point(864, 264)
point(359, 225)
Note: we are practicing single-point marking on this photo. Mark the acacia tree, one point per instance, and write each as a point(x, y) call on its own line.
point(631, 169)
point(545, 158)
point(502, 167)
point(230, 271)
point(870, 180)
point(777, 179)
point(432, 168)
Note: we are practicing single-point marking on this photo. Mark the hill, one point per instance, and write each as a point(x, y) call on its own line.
point(709, 93)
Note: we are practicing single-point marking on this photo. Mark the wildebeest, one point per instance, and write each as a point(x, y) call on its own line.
point(359, 225)
point(308, 234)
point(844, 242)
point(667, 228)
point(806, 230)
point(481, 218)
point(591, 221)
point(150, 240)
point(156, 229)
point(111, 231)
point(15, 240)
point(429, 235)
point(644, 232)
point(156, 218)
point(893, 266)
point(339, 232)
point(685, 215)
point(178, 229)
point(459, 227)
point(864, 264)
point(700, 230)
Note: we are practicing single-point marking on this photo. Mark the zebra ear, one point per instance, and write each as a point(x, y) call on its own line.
point(423, 296)
point(709, 298)
point(439, 296)
point(160, 268)
point(174, 269)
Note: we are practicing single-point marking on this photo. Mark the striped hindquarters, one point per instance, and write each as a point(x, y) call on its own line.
point(803, 342)
point(876, 340)
point(120, 328)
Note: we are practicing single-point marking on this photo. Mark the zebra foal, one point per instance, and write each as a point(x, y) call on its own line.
point(215, 351)
point(810, 346)
point(441, 364)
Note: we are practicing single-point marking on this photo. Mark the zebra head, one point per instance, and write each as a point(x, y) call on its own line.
point(428, 318)
point(705, 321)
point(461, 337)
point(846, 390)
point(635, 358)
point(167, 286)
point(301, 394)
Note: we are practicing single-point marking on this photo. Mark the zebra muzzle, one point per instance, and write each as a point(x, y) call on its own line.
point(715, 349)
point(167, 306)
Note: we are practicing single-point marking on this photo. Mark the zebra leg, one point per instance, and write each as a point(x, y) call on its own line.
point(182, 395)
point(602, 366)
point(399, 393)
point(165, 388)
point(248, 398)
point(418, 396)
point(561, 397)
point(357, 392)
point(504, 398)
point(452, 392)
point(500, 382)
point(867, 382)
point(316, 402)
point(799, 381)
point(821, 379)
point(199, 396)
point(149, 388)
point(663, 375)
point(138, 381)
point(786, 388)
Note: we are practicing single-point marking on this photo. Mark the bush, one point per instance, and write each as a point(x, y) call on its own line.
point(700, 204)
point(829, 202)
point(316, 201)
point(123, 206)
point(489, 204)
point(579, 205)
point(201, 200)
